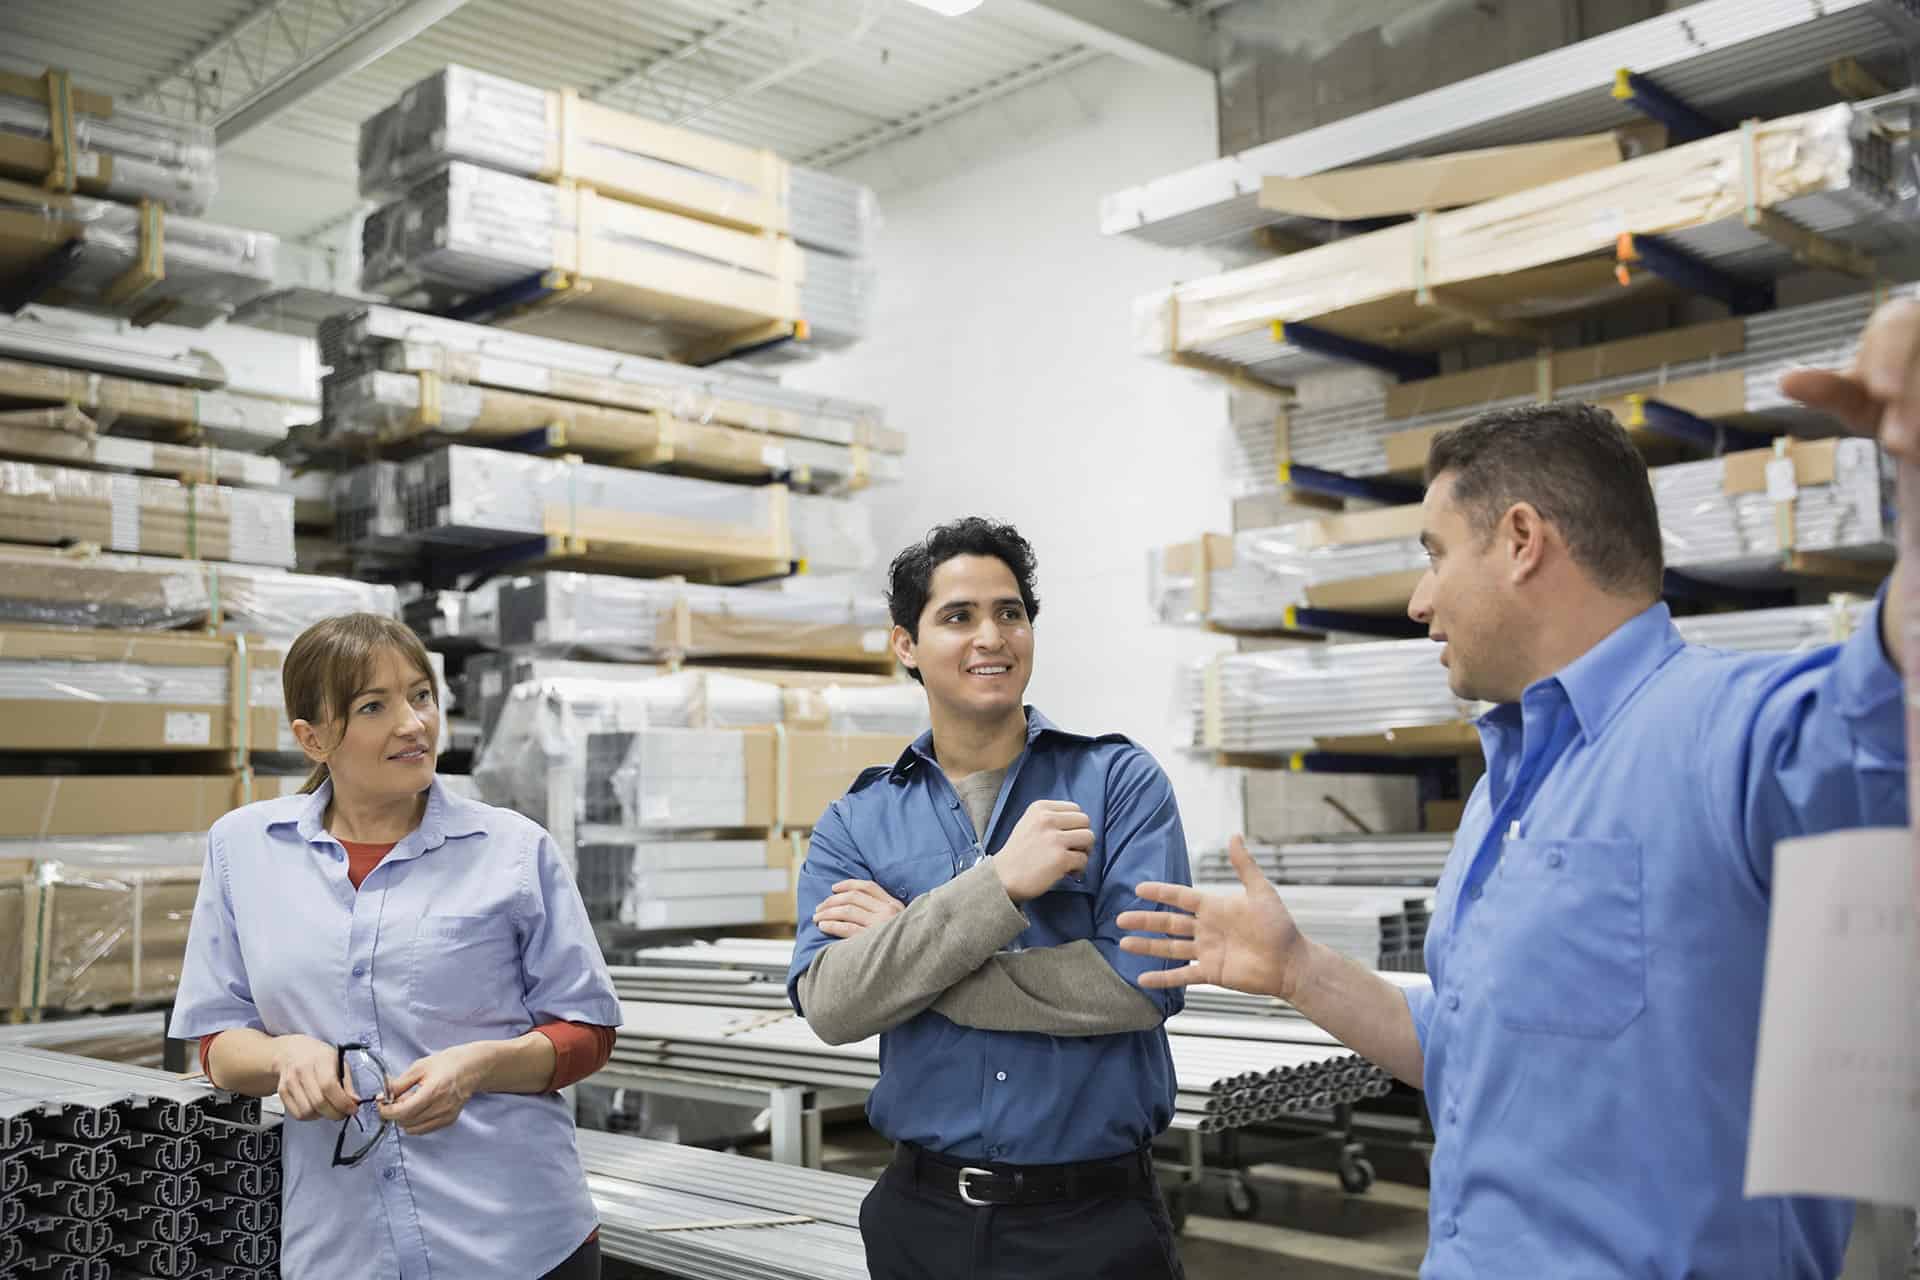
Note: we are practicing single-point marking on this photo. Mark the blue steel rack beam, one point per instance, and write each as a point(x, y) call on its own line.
point(1689, 428)
point(1393, 626)
point(1333, 484)
point(1408, 366)
point(1684, 123)
point(1679, 268)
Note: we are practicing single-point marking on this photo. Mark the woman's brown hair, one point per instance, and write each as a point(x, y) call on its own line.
point(332, 660)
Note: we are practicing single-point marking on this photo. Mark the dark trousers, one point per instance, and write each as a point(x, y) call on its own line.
point(914, 1233)
point(583, 1264)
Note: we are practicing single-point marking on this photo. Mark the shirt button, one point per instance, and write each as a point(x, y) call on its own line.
point(387, 1174)
point(999, 1075)
point(1453, 1115)
point(1450, 1228)
point(1453, 1000)
point(359, 971)
point(1553, 858)
point(1474, 893)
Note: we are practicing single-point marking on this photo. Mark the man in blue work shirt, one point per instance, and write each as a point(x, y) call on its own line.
point(1599, 933)
point(963, 905)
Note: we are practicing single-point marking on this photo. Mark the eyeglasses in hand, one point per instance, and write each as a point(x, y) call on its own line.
point(355, 1063)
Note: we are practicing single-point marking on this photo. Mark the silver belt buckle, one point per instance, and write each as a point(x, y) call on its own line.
point(966, 1195)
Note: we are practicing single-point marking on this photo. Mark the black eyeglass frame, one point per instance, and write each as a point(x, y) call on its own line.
point(340, 1073)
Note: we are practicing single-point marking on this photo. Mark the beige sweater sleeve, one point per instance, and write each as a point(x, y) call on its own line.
point(879, 978)
point(1068, 990)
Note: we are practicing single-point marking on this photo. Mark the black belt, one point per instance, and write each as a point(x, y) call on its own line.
point(1003, 1184)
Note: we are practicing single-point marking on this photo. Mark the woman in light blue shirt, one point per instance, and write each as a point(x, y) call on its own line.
point(392, 960)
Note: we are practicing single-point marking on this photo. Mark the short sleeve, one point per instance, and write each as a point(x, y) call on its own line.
point(563, 974)
point(214, 994)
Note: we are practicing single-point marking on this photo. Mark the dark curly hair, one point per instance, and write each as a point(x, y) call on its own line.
point(910, 579)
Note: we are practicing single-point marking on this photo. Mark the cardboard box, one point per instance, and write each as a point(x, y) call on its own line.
point(1813, 463)
point(1443, 815)
point(108, 935)
point(16, 942)
point(1377, 524)
point(1542, 378)
point(194, 722)
point(107, 804)
point(1438, 182)
point(1379, 593)
point(1710, 396)
point(821, 766)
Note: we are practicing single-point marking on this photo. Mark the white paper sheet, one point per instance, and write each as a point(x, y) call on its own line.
point(1836, 1093)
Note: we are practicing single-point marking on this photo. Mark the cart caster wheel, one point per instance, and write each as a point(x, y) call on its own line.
point(1356, 1175)
point(1242, 1200)
point(1177, 1212)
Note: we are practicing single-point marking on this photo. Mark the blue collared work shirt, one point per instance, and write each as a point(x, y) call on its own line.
point(1013, 1097)
point(1597, 947)
point(470, 929)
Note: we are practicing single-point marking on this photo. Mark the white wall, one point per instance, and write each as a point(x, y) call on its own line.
point(1003, 350)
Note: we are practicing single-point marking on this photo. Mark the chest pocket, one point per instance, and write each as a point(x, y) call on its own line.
point(1566, 941)
point(463, 968)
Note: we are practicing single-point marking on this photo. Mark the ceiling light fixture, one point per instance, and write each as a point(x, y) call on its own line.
point(949, 8)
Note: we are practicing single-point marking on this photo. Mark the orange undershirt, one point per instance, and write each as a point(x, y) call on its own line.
point(579, 1049)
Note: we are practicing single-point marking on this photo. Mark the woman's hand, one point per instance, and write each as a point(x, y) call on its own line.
point(310, 1085)
point(432, 1092)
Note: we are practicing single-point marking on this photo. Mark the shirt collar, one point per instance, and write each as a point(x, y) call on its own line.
point(1600, 681)
point(447, 816)
point(922, 747)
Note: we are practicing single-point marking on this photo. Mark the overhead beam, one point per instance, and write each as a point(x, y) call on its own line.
point(1129, 29)
point(282, 52)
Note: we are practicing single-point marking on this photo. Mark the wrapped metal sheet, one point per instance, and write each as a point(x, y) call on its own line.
point(832, 214)
point(1826, 171)
point(132, 406)
point(409, 342)
point(95, 589)
point(1714, 55)
point(666, 884)
point(631, 619)
point(1350, 434)
point(208, 269)
point(144, 514)
point(122, 153)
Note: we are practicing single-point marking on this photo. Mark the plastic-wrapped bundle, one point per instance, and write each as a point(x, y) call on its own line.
point(123, 154)
point(490, 677)
point(42, 504)
point(656, 282)
point(636, 619)
point(1284, 699)
point(836, 297)
point(95, 589)
point(208, 269)
point(832, 214)
point(660, 884)
point(833, 535)
point(1718, 519)
point(461, 115)
point(1255, 577)
point(1400, 859)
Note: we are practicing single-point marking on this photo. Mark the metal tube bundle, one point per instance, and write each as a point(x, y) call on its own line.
point(115, 1170)
point(1348, 432)
point(123, 154)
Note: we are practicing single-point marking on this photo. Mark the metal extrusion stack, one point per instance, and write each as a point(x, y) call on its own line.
point(109, 1170)
point(1373, 860)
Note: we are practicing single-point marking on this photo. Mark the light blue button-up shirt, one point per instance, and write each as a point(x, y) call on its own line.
point(1012, 1096)
point(1597, 947)
point(470, 929)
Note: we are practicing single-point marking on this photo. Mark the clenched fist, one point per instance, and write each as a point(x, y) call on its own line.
point(1053, 840)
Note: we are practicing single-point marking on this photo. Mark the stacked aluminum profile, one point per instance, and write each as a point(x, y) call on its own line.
point(1718, 55)
point(720, 1008)
point(407, 342)
point(1281, 701)
point(1271, 573)
point(1740, 538)
point(628, 619)
point(489, 677)
point(683, 884)
point(109, 1170)
point(836, 297)
point(1707, 533)
point(209, 269)
point(1381, 928)
point(684, 1211)
point(831, 214)
point(50, 336)
point(140, 155)
point(1349, 435)
point(87, 589)
point(1376, 860)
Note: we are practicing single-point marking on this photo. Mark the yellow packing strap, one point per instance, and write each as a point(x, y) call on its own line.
point(65, 173)
point(427, 416)
point(150, 264)
point(861, 468)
